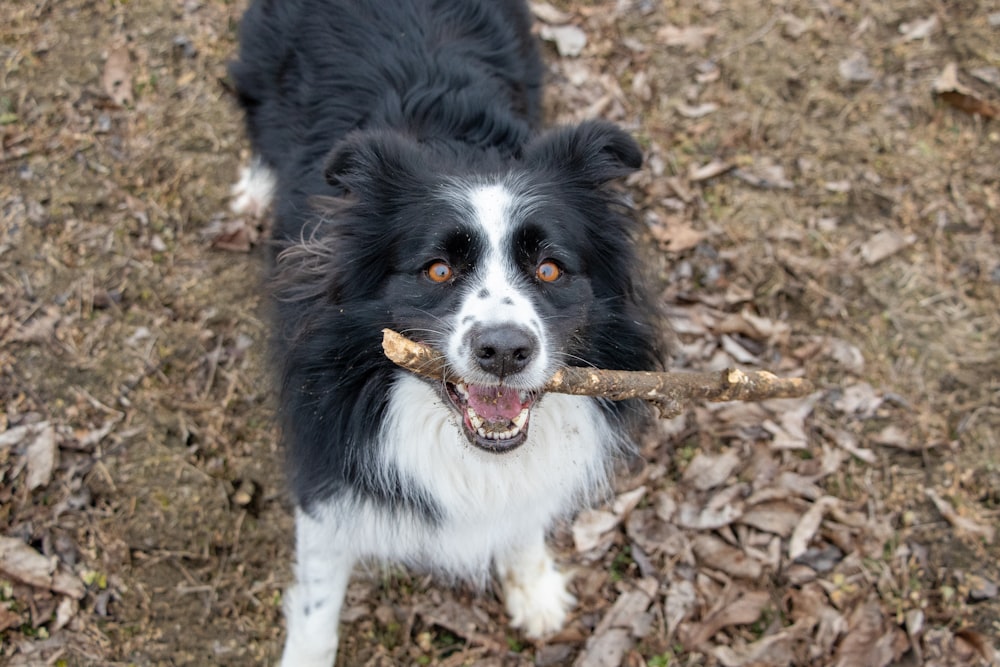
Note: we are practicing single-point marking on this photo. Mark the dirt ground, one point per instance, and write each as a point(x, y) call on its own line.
point(821, 198)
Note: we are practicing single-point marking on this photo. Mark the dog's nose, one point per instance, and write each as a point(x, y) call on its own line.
point(502, 350)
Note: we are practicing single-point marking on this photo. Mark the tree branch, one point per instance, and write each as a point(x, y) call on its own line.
point(669, 392)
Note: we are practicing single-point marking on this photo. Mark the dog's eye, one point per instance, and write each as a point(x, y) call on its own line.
point(439, 272)
point(548, 272)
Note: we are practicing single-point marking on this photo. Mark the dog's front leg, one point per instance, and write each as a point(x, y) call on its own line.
point(312, 605)
point(534, 589)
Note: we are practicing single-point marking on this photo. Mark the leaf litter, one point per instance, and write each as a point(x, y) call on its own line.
point(820, 200)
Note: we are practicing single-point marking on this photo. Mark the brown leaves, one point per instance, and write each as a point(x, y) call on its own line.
point(948, 88)
point(117, 76)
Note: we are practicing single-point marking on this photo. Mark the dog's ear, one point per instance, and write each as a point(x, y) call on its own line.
point(594, 152)
point(366, 161)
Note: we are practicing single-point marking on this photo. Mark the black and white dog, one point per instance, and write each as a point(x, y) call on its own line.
point(412, 190)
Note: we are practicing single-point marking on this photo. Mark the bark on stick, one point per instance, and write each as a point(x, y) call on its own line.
point(669, 391)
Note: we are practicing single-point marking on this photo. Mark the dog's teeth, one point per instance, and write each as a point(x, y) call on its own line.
point(474, 419)
point(462, 390)
point(520, 420)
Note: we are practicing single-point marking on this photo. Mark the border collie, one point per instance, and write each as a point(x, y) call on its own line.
point(412, 189)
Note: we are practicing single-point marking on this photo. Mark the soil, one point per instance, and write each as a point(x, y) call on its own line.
point(810, 167)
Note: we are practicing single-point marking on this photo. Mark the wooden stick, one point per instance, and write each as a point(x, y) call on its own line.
point(670, 392)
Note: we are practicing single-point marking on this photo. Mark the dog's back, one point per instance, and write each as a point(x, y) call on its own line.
point(312, 71)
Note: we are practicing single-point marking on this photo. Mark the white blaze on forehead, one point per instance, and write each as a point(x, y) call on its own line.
point(498, 295)
point(491, 205)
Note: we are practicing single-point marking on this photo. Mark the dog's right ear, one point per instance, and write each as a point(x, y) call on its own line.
point(373, 162)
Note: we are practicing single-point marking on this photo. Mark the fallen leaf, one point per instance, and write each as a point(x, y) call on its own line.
point(988, 75)
point(777, 517)
point(699, 111)
point(626, 502)
point(675, 234)
point(690, 38)
point(41, 454)
point(948, 88)
point(707, 471)
point(793, 27)
point(719, 555)
point(868, 640)
point(117, 76)
point(919, 29)
point(682, 599)
point(606, 649)
point(808, 525)
point(859, 400)
point(569, 40)
point(25, 564)
point(746, 608)
point(885, 244)
point(856, 69)
point(962, 523)
point(590, 526)
point(707, 171)
point(40, 328)
point(546, 13)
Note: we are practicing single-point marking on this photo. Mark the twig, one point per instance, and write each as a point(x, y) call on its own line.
point(669, 392)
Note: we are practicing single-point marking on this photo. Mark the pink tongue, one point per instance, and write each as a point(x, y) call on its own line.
point(495, 403)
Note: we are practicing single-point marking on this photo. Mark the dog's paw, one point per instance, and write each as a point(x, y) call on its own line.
point(538, 603)
point(252, 194)
point(311, 639)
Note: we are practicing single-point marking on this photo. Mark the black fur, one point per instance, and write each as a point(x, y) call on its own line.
point(364, 109)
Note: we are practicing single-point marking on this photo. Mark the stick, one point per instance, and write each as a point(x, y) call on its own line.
point(669, 392)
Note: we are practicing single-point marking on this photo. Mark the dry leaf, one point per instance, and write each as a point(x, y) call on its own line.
point(569, 40)
point(626, 502)
point(39, 329)
point(710, 170)
point(919, 29)
point(776, 517)
point(689, 111)
point(718, 555)
point(675, 234)
point(590, 526)
point(546, 13)
point(20, 561)
point(808, 526)
point(743, 610)
point(681, 602)
point(869, 638)
point(885, 244)
point(41, 454)
point(690, 38)
point(117, 76)
point(856, 69)
point(707, 471)
point(949, 89)
point(859, 400)
point(960, 522)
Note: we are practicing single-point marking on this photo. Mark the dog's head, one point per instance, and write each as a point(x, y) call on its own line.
point(511, 268)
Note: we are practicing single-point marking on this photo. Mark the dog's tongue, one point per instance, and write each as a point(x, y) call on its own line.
point(495, 403)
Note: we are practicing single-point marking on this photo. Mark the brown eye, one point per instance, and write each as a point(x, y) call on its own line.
point(439, 272)
point(548, 272)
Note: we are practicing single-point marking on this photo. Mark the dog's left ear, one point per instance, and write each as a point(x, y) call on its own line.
point(372, 163)
point(594, 152)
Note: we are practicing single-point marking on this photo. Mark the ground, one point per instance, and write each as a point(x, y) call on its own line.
point(820, 198)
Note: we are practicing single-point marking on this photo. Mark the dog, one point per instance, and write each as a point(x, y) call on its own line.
point(398, 144)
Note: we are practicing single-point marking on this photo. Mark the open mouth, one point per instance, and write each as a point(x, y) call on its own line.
point(494, 418)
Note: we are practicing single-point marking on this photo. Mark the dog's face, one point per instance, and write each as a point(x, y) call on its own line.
point(506, 272)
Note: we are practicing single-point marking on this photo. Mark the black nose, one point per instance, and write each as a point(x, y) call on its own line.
point(502, 350)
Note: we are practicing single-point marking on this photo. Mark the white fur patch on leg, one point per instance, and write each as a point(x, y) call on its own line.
point(312, 606)
point(253, 193)
point(535, 591)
